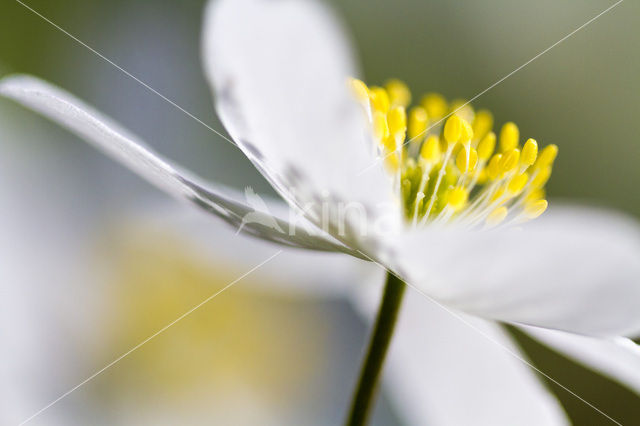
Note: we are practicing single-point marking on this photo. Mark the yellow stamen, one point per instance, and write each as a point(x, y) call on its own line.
point(509, 137)
point(380, 126)
point(482, 123)
point(399, 93)
point(529, 153)
point(493, 170)
point(359, 90)
point(453, 129)
point(497, 216)
point(451, 172)
point(536, 208)
point(379, 99)
point(457, 198)
point(392, 163)
point(535, 195)
point(430, 151)
point(466, 133)
point(435, 104)
point(486, 146)
point(467, 163)
point(517, 183)
point(547, 156)
point(498, 195)
point(462, 108)
point(397, 119)
point(418, 121)
point(509, 161)
point(390, 144)
point(541, 177)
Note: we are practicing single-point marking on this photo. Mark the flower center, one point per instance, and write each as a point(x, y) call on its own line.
point(443, 159)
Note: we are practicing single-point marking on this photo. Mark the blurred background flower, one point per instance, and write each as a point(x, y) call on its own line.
point(77, 285)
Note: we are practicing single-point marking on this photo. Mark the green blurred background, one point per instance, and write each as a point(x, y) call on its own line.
point(582, 95)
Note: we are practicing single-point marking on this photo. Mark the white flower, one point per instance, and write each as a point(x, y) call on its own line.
point(437, 362)
point(279, 71)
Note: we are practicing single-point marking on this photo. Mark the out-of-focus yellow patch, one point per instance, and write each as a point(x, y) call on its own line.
point(239, 342)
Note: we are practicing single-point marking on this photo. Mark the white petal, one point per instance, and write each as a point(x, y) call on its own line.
point(573, 269)
point(445, 371)
point(300, 272)
point(618, 358)
point(279, 70)
point(103, 133)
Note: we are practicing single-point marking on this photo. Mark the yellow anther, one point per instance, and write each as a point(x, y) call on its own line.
point(541, 177)
point(486, 146)
point(418, 121)
point(380, 126)
point(456, 148)
point(457, 198)
point(463, 109)
point(397, 120)
point(444, 145)
point(517, 183)
point(453, 129)
point(390, 143)
point(497, 216)
point(482, 123)
point(466, 133)
point(379, 99)
point(435, 104)
point(509, 160)
point(535, 195)
point(493, 169)
point(473, 159)
point(430, 150)
point(498, 196)
point(529, 152)
point(392, 163)
point(461, 160)
point(483, 176)
point(547, 156)
point(509, 137)
point(359, 89)
point(536, 208)
point(399, 93)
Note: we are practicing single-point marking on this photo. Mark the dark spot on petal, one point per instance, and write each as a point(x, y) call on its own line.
point(253, 150)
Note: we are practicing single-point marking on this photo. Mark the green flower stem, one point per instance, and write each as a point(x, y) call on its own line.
point(362, 402)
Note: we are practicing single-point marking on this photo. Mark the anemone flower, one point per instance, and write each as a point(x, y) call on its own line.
point(421, 194)
point(441, 371)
